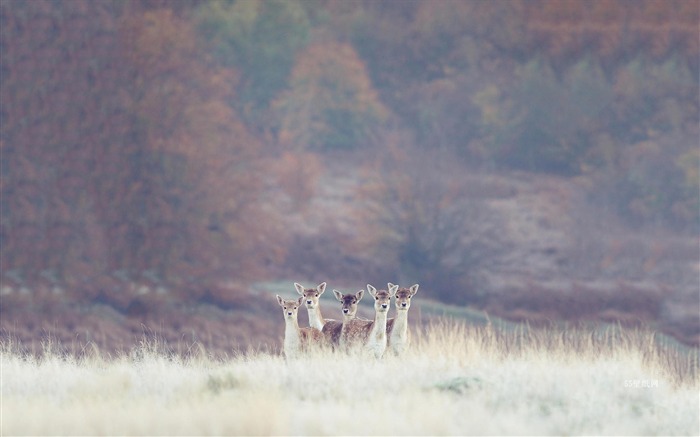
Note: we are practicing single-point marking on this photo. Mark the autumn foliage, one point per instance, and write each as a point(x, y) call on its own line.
point(123, 161)
point(189, 148)
point(331, 103)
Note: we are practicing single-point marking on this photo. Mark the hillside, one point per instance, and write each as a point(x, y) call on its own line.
point(554, 258)
point(553, 253)
point(536, 160)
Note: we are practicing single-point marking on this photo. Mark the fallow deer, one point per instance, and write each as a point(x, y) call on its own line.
point(397, 328)
point(371, 334)
point(296, 340)
point(333, 330)
point(313, 307)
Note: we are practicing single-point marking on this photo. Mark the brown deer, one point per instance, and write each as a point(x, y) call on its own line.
point(333, 330)
point(371, 334)
point(296, 340)
point(397, 328)
point(313, 307)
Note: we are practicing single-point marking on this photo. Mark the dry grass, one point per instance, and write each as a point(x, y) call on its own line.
point(456, 380)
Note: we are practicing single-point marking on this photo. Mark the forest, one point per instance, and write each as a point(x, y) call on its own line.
point(182, 150)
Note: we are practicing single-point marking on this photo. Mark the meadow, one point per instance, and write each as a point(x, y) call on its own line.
point(456, 379)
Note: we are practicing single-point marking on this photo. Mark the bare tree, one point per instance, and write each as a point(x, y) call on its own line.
point(428, 220)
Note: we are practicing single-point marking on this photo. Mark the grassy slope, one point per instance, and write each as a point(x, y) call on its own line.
point(425, 311)
point(455, 380)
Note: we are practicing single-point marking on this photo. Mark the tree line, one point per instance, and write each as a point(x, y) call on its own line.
point(138, 137)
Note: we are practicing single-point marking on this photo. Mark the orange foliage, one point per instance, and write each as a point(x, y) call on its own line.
point(297, 175)
point(183, 101)
point(331, 102)
point(613, 27)
point(125, 160)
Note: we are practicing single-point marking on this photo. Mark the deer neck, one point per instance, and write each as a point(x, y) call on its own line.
point(316, 320)
point(379, 325)
point(401, 322)
point(292, 337)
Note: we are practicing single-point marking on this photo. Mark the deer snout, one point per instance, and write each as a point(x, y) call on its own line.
point(308, 302)
point(345, 310)
point(289, 313)
point(403, 304)
point(384, 305)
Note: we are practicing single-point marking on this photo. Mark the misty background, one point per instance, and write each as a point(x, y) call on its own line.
point(168, 164)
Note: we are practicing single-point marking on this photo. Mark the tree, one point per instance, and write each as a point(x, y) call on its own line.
point(261, 40)
point(420, 218)
point(543, 123)
point(125, 160)
point(331, 103)
point(180, 102)
point(61, 111)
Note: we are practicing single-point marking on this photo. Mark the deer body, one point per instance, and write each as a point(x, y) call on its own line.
point(311, 298)
point(399, 336)
point(371, 334)
point(333, 330)
point(296, 340)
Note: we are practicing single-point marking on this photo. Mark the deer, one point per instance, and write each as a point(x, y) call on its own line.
point(397, 328)
point(333, 330)
point(296, 340)
point(313, 307)
point(371, 334)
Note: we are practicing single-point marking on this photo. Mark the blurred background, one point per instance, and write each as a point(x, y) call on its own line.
point(168, 165)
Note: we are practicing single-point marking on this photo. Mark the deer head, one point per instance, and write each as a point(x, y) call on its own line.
point(382, 298)
point(290, 307)
point(403, 296)
point(311, 295)
point(349, 302)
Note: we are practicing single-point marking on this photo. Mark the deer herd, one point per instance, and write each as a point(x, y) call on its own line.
point(374, 337)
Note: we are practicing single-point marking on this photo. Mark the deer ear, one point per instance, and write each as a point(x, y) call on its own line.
point(321, 288)
point(414, 289)
point(359, 295)
point(299, 288)
point(372, 290)
point(280, 300)
point(300, 301)
point(338, 295)
point(392, 288)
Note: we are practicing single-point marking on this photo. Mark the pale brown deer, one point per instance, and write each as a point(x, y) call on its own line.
point(313, 307)
point(370, 334)
point(332, 330)
point(296, 340)
point(399, 336)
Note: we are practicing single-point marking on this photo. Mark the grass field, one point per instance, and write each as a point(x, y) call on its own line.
point(456, 379)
